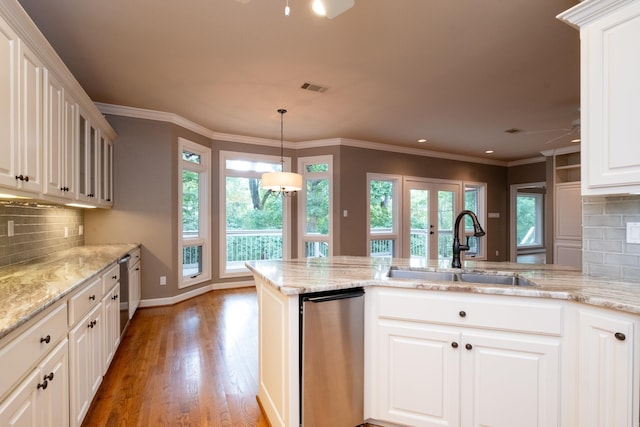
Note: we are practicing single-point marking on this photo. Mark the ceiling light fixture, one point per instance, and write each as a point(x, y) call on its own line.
point(285, 183)
point(489, 151)
point(576, 140)
point(422, 140)
point(287, 9)
point(331, 8)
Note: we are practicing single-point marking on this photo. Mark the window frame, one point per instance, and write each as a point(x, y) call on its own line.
point(286, 206)
point(204, 211)
point(481, 188)
point(396, 228)
point(303, 237)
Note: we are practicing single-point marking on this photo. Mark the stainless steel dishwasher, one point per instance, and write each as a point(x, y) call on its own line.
point(332, 358)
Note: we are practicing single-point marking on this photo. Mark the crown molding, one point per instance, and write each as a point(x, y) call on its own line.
point(588, 11)
point(562, 150)
point(529, 161)
point(142, 113)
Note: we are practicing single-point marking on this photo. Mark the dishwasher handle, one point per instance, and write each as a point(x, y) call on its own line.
point(333, 297)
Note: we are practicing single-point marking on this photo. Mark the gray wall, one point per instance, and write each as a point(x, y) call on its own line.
point(605, 251)
point(38, 230)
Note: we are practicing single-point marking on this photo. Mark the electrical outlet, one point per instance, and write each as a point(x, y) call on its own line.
point(80, 230)
point(163, 280)
point(497, 253)
point(10, 228)
point(66, 232)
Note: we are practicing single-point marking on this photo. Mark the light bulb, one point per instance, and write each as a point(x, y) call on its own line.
point(287, 10)
point(318, 8)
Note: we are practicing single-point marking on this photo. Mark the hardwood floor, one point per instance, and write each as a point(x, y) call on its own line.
point(191, 364)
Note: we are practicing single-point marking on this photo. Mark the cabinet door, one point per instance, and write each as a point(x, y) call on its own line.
point(85, 357)
point(611, 89)
point(111, 315)
point(8, 105)
point(106, 171)
point(508, 382)
point(417, 378)
point(70, 137)
point(53, 136)
point(53, 401)
point(31, 120)
point(607, 393)
point(20, 408)
point(134, 288)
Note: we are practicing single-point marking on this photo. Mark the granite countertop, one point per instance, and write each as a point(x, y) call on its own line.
point(294, 277)
point(27, 289)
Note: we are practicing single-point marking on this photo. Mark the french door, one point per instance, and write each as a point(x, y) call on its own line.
point(428, 214)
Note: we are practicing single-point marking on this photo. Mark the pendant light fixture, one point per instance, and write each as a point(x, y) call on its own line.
point(285, 183)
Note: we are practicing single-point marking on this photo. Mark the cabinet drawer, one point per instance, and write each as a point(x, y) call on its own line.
point(135, 256)
point(477, 311)
point(85, 300)
point(22, 353)
point(110, 278)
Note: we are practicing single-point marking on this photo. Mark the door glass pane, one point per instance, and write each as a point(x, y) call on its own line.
point(253, 222)
point(190, 204)
point(419, 219)
point(317, 167)
point(191, 157)
point(317, 206)
point(446, 212)
point(191, 261)
point(529, 220)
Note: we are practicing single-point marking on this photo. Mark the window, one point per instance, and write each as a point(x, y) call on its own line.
point(195, 245)
point(529, 214)
point(475, 200)
point(252, 219)
point(384, 218)
point(315, 207)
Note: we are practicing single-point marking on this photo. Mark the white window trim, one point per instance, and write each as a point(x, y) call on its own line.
point(204, 238)
point(481, 214)
point(286, 207)
point(540, 199)
point(396, 233)
point(303, 237)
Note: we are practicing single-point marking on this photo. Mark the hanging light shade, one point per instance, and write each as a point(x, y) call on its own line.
point(285, 183)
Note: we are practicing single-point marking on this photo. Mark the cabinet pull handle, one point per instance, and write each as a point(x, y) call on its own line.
point(46, 339)
point(115, 297)
point(137, 268)
point(454, 344)
point(468, 346)
point(43, 385)
point(620, 336)
point(114, 277)
point(26, 178)
point(92, 323)
point(48, 377)
point(462, 314)
point(92, 297)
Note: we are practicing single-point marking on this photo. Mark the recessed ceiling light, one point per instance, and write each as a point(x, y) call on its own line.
point(422, 140)
point(489, 151)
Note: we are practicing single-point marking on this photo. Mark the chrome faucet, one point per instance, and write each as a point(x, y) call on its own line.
point(457, 247)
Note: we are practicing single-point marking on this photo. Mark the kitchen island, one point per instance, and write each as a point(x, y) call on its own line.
point(560, 351)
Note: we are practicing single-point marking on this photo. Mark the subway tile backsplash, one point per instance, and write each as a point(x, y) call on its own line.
point(605, 250)
point(38, 230)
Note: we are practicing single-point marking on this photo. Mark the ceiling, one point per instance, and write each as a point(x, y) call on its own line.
point(455, 72)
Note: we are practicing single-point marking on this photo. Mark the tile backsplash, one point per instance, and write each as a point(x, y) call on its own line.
point(39, 230)
point(605, 250)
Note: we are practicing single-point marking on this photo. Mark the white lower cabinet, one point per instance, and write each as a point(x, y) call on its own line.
point(86, 358)
point(608, 369)
point(42, 398)
point(454, 373)
point(111, 315)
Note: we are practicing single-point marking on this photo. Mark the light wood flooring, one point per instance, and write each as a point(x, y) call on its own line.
point(191, 364)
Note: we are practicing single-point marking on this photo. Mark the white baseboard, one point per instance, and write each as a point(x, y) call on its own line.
point(155, 302)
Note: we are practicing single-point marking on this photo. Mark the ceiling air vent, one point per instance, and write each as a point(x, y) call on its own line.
point(313, 87)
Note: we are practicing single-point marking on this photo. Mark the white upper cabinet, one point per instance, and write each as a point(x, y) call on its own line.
point(610, 66)
point(41, 136)
point(8, 104)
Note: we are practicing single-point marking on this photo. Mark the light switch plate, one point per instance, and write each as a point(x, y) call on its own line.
point(633, 232)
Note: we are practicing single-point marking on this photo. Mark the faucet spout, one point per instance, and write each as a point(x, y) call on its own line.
point(457, 247)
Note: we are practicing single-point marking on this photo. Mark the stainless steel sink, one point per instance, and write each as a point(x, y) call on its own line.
point(493, 279)
point(435, 276)
point(445, 276)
